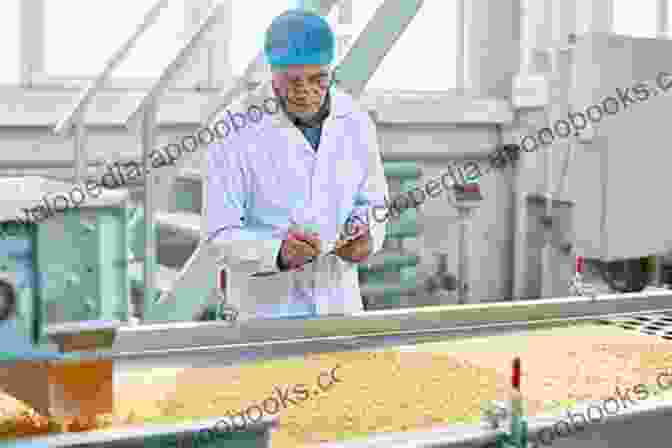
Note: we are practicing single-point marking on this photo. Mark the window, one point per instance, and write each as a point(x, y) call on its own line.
point(80, 36)
point(637, 19)
point(432, 55)
point(9, 36)
point(424, 57)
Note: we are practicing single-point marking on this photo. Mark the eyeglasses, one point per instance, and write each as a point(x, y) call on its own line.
point(324, 79)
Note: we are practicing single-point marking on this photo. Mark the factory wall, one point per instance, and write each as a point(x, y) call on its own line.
point(437, 147)
point(456, 137)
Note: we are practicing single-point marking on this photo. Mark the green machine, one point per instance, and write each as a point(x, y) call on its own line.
point(377, 290)
point(67, 263)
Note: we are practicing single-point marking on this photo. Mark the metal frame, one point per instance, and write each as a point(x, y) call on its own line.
point(31, 28)
point(460, 42)
point(148, 136)
point(156, 435)
point(145, 113)
point(33, 72)
point(415, 323)
point(79, 107)
point(159, 86)
point(146, 109)
point(662, 19)
point(74, 119)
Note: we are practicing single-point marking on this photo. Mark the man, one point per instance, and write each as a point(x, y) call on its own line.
point(282, 191)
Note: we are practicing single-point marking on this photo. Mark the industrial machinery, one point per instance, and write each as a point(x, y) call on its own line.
point(98, 253)
point(75, 272)
point(616, 222)
point(75, 269)
point(617, 175)
point(69, 267)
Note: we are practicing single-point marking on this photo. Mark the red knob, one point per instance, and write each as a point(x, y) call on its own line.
point(579, 265)
point(221, 280)
point(515, 374)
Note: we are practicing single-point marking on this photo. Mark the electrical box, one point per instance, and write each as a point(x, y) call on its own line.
point(64, 249)
point(620, 182)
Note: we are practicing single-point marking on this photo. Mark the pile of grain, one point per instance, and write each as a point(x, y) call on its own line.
point(405, 390)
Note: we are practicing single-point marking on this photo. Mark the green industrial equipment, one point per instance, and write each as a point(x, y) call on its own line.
point(70, 265)
point(377, 290)
point(84, 263)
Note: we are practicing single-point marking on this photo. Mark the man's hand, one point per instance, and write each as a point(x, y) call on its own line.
point(298, 249)
point(357, 247)
point(354, 251)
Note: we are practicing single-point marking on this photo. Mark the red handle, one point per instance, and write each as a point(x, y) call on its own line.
point(515, 375)
point(579, 265)
point(221, 280)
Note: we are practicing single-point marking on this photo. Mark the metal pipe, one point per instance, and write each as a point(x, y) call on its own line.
point(530, 37)
point(520, 232)
point(663, 23)
point(459, 63)
point(345, 12)
point(148, 143)
point(31, 40)
point(547, 220)
point(64, 125)
point(161, 83)
point(211, 67)
point(464, 287)
point(81, 160)
point(171, 339)
point(566, 60)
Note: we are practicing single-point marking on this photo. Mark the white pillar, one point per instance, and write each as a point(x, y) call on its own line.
point(210, 65)
point(595, 16)
point(31, 40)
point(536, 34)
point(563, 14)
point(492, 47)
point(344, 30)
point(221, 36)
point(662, 12)
point(460, 39)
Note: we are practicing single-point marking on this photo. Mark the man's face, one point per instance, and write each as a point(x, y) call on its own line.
point(304, 87)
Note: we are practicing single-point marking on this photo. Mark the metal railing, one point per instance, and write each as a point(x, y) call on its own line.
point(74, 118)
point(145, 112)
point(662, 19)
point(159, 86)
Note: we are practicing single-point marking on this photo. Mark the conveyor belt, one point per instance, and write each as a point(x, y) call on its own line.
point(226, 342)
point(228, 354)
point(203, 355)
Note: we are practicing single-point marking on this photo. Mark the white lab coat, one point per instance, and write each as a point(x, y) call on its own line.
point(266, 174)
